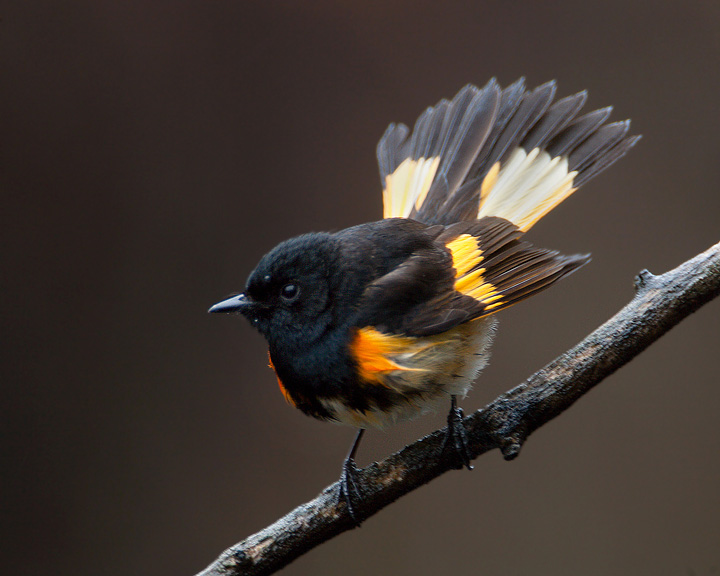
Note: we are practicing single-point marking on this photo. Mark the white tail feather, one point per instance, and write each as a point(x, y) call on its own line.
point(528, 187)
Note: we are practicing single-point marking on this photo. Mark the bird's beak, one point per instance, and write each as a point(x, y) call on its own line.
point(239, 303)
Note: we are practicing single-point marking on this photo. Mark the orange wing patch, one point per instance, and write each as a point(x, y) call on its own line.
point(469, 274)
point(407, 187)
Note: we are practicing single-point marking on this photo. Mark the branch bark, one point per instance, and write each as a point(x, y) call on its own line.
point(660, 303)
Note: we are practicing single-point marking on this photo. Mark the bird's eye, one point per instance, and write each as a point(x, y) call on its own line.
point(290, 292)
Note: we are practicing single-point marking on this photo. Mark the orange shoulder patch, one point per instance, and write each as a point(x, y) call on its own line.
point(284, 391)
point(373, 352)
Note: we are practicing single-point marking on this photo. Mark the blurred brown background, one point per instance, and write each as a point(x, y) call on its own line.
point(153, 151)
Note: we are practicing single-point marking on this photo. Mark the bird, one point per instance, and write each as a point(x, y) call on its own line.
point(383, 321)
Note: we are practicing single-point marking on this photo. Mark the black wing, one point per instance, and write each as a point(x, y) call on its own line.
point(474, 269)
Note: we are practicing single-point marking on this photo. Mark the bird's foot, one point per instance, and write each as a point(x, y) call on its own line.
point(456, 439)
point(348, 492)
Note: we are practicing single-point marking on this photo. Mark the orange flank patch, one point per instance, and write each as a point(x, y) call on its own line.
point(469, 280)
point(373, 352)
point(284, 391)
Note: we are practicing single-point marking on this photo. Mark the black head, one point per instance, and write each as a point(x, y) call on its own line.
point(288, 295)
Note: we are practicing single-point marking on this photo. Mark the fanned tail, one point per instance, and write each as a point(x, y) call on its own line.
point(507, 152)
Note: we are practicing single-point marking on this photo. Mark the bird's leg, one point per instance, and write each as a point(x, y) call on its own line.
point(349, 492)
point(456, 438)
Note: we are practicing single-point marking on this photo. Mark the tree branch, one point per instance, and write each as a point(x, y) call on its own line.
point(660, 303)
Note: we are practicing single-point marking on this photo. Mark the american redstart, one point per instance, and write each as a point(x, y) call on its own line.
point(378, 322)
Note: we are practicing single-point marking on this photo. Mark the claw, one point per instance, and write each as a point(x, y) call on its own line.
point(349, 492)
point(456, 438)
